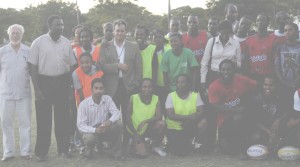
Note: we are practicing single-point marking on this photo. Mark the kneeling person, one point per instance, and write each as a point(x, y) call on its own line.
point(185, 117)
point(99, 120)
point(144, 118)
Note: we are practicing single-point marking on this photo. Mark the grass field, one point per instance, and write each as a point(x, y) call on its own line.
point(195, 160)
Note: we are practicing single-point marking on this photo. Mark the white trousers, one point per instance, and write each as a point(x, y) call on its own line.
point(22, 109)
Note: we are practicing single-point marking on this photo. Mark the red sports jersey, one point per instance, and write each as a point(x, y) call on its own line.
point(229, 95)
point(196, 44)
point(260, 52)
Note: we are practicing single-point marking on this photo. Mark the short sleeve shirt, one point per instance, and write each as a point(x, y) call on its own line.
point(288, 60)
point(14, 73)
point(175, 65)
point(53, 58)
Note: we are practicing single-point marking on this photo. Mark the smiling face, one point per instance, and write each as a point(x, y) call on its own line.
point(140, 36)
point(269, 86)
point(85, 38)
point(146, 88)
point(120, 32)
point(86, 63)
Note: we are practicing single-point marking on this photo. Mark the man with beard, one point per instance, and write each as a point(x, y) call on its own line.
point(15, 93)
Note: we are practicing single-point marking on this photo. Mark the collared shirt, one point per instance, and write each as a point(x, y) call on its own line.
point(121, 54)
point(91, 114)
point(14, 73)
point(53, 58)
point(231, 51)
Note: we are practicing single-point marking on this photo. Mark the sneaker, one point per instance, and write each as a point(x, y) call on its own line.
point(159, 151)
point(197, 145)
point(81, 150)
point(72, 148)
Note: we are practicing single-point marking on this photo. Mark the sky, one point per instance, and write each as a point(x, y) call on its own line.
point(155, 6)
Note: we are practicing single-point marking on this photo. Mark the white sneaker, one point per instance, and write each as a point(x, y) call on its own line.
point(159, 151)
point(197, 145)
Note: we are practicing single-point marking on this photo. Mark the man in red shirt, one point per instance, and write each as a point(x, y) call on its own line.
point(195, 40)
point(259, 50)
point(227, 96)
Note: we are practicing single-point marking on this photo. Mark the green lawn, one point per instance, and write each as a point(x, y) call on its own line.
point(195, 160)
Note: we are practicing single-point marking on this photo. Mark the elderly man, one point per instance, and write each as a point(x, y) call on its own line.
point(51, 60)
point(15, 93)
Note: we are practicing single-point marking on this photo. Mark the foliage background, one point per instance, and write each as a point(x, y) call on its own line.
point(34, 18)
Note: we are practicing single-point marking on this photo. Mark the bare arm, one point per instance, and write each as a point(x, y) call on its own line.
point(35, 81)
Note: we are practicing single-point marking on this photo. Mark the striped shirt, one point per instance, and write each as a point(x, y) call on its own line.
point(91, 114)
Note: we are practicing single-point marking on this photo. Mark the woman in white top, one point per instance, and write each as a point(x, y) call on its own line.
point(218, 49)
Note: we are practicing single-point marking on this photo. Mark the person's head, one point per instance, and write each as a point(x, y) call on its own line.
point(75, 31)
point(193, 24)
point(97, 88)
point(108, 31)
point(183, 83)
point(158, 38)
point(146, 89)
point(225, 30)
point(262, 22)
point(15, 33)
point(244, 26)
point(141, 33)
point(231, 12)
point(282, 18)
point(120, 30)
point(227, 70)
point(291, 31)
point(55, 25)
point(212, 25)
point(269, 85)
point(86, 62)
point(86, 37)
point(176, 41)
point(174, 25)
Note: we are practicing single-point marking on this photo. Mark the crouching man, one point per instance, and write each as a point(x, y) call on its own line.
point(98, 120)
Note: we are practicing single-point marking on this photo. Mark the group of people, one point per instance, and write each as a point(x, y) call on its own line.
point(228, 87)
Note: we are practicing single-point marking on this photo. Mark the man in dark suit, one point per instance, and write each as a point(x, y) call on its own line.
point(122, 65)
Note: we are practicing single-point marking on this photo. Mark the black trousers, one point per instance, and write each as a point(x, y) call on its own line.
point(56, 92)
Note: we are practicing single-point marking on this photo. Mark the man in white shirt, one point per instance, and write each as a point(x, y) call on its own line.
point(51, 61)
point(15, 93)
point(99, 120)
